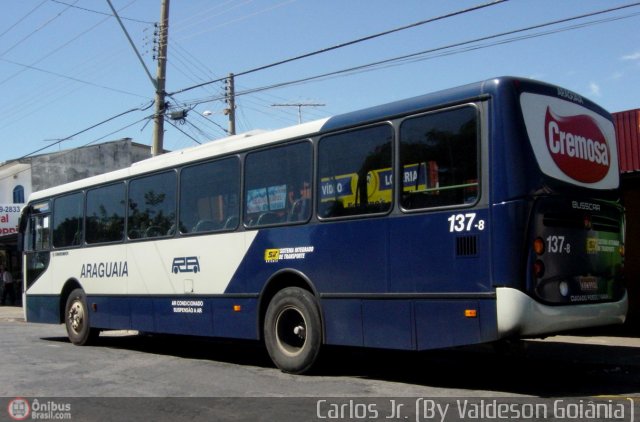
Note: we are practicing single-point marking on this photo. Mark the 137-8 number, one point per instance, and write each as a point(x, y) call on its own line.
point(464, 222)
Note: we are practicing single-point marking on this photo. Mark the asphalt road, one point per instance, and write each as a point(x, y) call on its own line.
point(182, 378)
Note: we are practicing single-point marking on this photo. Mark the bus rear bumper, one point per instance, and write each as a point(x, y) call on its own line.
point(520, 315)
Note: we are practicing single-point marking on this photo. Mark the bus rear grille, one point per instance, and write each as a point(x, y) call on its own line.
point(467, 246)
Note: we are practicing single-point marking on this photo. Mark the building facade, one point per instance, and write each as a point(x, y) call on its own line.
point(628, 136)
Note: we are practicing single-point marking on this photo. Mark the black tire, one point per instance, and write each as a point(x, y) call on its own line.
point(293, 330)
point(76, 319)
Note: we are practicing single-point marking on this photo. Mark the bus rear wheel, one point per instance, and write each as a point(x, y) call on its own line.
point(293, 330)
point(76, 319)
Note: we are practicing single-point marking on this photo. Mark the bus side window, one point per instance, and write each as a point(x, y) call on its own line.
point(68, 214)
point(278, 185)
point(105, 214)
point(355, 172)
point(439, 158)
point(38, 233)
point(209, 194)
point(152, 206)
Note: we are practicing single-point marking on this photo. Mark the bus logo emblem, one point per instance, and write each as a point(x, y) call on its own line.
point(187, 264)
point(271, 255)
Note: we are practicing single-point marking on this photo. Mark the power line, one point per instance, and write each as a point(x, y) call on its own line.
point(86, 130)
point(183, 132)
point(299, 106)
point(416, 56)
point(349, 43)
point(60, 75)
point(23, 18)
point(35, 31)
point(236, 20)
point(69, 151)
point(104, 13)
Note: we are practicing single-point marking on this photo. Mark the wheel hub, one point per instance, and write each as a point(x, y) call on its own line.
point(76, 316)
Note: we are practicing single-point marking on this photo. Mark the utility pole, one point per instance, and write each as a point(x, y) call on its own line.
point(158, 83)
point(157, 147)
point(299, 105)
point(230, 99)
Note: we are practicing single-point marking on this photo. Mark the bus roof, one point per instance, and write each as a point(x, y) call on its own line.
point(237, 143)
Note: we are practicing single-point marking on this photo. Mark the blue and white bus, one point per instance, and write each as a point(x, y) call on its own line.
point(479, 213)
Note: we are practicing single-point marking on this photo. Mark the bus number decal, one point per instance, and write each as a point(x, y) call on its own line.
point(464, 222)
point(557, 244)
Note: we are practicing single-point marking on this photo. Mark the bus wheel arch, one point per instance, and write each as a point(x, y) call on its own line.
point(71, 285)
point(291, 321)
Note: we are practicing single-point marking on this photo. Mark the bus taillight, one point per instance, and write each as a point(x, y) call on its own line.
point(538, 268)
point(538, 246)
point(587, 222)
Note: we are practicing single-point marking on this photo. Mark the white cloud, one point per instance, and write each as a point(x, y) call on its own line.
point(594, 89)
point(633, 56)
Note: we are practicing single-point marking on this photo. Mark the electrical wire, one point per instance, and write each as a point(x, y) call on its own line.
point(35, 31)
point(69, 151)
point(349, 43)
point(86, 130)
point(29, 13)
point(105, 13)
point(417, 56)
point(422, 55)
point(38, 69)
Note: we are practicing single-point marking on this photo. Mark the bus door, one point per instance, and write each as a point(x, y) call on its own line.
point(35, 234)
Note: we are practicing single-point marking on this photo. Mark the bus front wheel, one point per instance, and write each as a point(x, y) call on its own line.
point(76, 319)
point(293, 330)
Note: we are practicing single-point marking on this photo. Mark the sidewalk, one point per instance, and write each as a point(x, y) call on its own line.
point(11, 313)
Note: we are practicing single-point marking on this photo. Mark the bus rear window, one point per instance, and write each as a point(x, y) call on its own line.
point(439, 158)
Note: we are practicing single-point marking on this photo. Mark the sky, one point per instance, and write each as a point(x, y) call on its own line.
point(70, 78)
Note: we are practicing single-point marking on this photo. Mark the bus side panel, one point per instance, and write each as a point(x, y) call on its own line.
point(341, 257)
point(142, 315)
point(189, 315)
point(43, 309)
point(388, 324)
point(343, 322)
point(441, 252)
point(109, 312)
point(235, 318)
point(442, 323)
point(488, 314)
point(408, 324)
point(508, 242)
point(445, 323)
point(184, 315)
